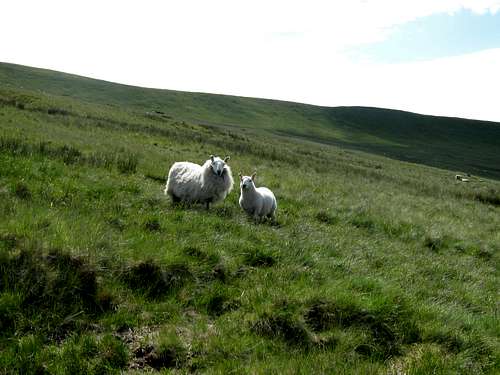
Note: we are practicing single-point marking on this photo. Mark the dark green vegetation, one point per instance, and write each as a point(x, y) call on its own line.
point(374, 266)
point(455, 144)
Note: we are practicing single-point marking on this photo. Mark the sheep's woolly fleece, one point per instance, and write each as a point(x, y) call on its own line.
point(209, 183)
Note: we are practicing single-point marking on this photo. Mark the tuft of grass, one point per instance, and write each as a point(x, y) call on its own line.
point(57, 111)
point(166, 352)
point(101, 159)
point(13, 145)
point(22, 191)
point(152, 224)
point(450, 341)
point(25, 356)
point(259, 258)
point(117, 223)
point(209, 264)
point(224, 212)
point(326, 218)
point(386, 327)
point(219, 304)
point(127, 163)
point(9, 241)
point(435, 243)
point(284, 326)
point(153, 281)
point(10, 307)
point(113, 354)
point(363, 222)
point(84, 354)
point(57, 289)
point(322, 315)
point(492, 196)
point(282, 322)
point(68, 154)
point(217, 299)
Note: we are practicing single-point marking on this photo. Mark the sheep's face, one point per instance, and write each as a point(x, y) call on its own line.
point(218, 165)
point(246, 182)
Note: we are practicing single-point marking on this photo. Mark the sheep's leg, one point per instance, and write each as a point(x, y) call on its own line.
point(208, 203)
point(175, 199)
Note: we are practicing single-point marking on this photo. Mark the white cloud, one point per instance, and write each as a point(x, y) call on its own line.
point(464, 86)
point(277, 49)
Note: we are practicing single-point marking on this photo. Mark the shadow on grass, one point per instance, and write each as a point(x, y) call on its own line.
point(153, 281)
point(387, 328)
point(52, 294)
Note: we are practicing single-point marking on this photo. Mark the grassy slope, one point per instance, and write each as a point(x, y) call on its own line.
point(456, 144)
point(375, 266)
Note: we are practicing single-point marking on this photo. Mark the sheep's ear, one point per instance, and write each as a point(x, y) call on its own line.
point(212, 157)
point(241, 177)
point(254, 175)
point(226, 159)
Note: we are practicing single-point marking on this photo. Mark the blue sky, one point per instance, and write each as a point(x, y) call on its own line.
point(437, 57)
point(435, 36)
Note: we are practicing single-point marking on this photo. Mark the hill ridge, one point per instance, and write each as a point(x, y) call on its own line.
point(446, 142)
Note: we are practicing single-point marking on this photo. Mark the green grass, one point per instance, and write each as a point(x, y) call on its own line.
point(374, 266)
point(436, 141)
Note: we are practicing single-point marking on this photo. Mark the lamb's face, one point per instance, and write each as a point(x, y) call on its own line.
point(218, 165)
point(246, 182)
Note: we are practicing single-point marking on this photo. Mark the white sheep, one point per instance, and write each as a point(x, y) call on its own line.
point(193, 183)
point(257, 202)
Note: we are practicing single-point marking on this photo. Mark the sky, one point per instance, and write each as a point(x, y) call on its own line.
point(439, 57)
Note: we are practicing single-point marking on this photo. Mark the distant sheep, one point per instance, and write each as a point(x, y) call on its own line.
point(459, 177)
point(193, 183)
point(257, 202)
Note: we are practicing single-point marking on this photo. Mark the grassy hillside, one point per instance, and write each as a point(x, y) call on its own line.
point(455, 144)
point(375, 266)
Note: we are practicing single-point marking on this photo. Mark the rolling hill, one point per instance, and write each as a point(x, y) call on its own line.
point(374, 265)
point(457, 144)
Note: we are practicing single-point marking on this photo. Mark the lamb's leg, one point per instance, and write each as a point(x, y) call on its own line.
point(272, 216)
point(256, 214)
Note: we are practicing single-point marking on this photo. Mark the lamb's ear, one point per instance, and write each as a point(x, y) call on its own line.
point(241, 177)
point(226, 159)
point(212, 158)
point(254, 175)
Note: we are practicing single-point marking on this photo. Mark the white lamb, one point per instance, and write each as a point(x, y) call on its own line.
point(257, 202)
point(193, 183)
